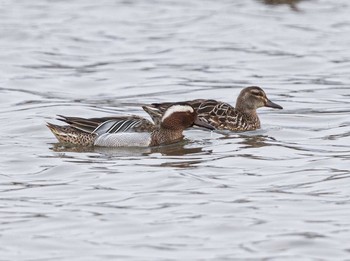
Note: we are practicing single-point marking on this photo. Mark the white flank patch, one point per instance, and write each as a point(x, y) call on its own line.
point(177, 108)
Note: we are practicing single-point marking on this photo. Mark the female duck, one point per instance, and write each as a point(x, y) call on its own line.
point(223, 116)
point(113, 131)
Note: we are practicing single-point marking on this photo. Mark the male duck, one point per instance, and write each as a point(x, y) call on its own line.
point(113, 131)
point(223, 116)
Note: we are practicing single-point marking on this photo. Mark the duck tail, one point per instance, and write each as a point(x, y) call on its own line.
point(67, 134)
point(55, 129)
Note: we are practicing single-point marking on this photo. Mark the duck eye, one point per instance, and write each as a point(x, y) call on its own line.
point(257, 93)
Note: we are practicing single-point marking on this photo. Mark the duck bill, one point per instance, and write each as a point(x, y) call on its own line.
point(272, 105)
point(203, 124)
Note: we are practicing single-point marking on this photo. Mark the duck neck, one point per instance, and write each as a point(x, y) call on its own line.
point(165, 136)
point(249, 116)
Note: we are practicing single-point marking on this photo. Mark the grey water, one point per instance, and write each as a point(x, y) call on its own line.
point(278, 193)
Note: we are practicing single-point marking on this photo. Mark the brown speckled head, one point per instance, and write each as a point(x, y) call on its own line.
point(252, 98)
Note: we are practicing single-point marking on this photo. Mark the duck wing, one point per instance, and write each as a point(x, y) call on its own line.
point(219, 114)
point(112, 124)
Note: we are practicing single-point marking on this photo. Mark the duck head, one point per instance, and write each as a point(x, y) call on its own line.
point(181, 116)
point(252, 98)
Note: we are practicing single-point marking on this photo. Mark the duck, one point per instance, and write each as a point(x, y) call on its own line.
point(221, 115)
point(128, 131)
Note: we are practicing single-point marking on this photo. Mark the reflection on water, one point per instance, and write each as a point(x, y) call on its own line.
point(278, 193)
point(177, 149)
point(292, 3)
point(250, 139)
point(256, 141)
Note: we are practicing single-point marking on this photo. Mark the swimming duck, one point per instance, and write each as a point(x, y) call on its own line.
point(115, 131)
point(221, 115)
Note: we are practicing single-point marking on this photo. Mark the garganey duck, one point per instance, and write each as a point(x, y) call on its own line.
point(221, 115)
point(128, 131)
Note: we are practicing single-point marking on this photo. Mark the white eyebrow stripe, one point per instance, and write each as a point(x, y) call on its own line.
point(177, 108)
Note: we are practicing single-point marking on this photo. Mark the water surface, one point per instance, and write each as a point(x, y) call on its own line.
point(279, 193)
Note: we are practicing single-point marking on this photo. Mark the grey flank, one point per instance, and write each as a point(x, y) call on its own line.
point(123, 140)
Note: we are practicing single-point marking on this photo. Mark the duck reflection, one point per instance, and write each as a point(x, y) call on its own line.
point(252, 139)
point(255, 141)
point(291, 3)
point(177, 149)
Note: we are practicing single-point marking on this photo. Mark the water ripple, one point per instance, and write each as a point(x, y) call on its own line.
point(280, 192)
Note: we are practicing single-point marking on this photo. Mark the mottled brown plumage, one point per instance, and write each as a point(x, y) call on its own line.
point(222, 115)
point(68, 134)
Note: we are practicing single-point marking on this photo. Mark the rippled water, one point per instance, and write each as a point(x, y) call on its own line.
point(279, 193)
